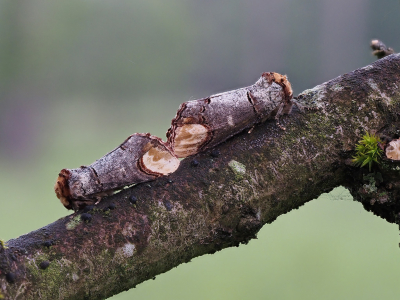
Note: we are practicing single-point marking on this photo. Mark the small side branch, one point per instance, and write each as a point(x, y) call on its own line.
point(380, 50)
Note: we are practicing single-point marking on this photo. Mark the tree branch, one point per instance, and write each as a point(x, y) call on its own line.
point(380, 50)
point(220, 201)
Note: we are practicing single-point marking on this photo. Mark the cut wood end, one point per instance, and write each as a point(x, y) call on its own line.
point(62, 189)
point(393, 150)
point(189, 138)
point(158, 161)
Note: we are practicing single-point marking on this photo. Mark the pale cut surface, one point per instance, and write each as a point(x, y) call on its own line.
point(393, 150)
point(189, 138)
point(160, 161)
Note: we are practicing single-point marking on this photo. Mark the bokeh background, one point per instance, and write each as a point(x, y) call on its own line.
point(78, 77)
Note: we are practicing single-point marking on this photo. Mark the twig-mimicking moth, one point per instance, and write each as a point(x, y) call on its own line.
point(140, 158)
point(198, 125)
point(204, 123)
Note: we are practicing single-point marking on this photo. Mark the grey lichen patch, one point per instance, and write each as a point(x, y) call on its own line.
point(74, 222)
point(370, 188)
point(382, 95)
point(313, 98)
point(337, 88)
point(238, 168)
point(124, 252)
point(367, 68)
point(373, 85)
point(75, 277)
point(372, 179)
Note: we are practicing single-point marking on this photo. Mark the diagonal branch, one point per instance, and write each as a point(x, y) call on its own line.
point(217, 199)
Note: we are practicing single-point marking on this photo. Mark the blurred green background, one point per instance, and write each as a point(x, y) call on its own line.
point(78, 77)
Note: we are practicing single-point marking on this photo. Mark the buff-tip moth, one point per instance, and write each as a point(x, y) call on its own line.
point(205, 123)
point(198, 125)
point(140, 158)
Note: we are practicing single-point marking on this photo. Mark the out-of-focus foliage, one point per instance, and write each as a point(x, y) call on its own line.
point(94, 47)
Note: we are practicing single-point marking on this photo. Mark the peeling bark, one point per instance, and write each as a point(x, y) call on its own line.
point(219, 198)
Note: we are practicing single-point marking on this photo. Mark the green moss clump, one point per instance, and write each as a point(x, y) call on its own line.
point(74, 222)
point(238, 168)
point(3, 245)
point(367, 151)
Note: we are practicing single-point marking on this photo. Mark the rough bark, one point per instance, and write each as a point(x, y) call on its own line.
point(220, 200)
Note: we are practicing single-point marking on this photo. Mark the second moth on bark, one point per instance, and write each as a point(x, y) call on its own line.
point(205, 123)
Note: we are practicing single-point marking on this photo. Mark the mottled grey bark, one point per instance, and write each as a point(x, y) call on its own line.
point(219, 201)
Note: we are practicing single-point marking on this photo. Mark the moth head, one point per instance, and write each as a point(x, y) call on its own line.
point(63, 192)
point(282, 80)
point(62, 188)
